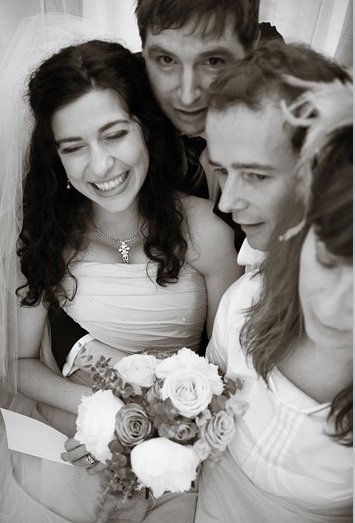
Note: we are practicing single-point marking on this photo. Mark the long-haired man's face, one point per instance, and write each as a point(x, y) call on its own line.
point(326, 294)
point(181, 65)
point(252, 155)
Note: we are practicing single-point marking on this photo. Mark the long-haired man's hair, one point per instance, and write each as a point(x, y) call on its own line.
point(274, 326)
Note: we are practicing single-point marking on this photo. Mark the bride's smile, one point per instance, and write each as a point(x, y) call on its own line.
point(110, 185)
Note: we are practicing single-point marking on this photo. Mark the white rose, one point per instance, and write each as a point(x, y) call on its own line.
point(137, 369)
point(96, 422)
point(164, 466)
point(186, 359)
point(189, 391)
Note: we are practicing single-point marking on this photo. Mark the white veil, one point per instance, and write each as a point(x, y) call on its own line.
point(35, 39)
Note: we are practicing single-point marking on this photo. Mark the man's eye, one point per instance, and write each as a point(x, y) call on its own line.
point(327, 264)
point(220, 171)
point(325, 258)
point(257, 177)
point(165, 60)
point(215, 61)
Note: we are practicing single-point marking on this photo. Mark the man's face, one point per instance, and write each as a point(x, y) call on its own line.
point(181, 65)
point(252, 154)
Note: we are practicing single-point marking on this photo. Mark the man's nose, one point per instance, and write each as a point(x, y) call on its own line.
point(189, 86)
point(232, 198)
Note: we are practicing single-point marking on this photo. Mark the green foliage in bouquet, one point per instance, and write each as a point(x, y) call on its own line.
point(164, 411)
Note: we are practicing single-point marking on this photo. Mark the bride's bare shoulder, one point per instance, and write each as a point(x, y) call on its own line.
point(206, 231)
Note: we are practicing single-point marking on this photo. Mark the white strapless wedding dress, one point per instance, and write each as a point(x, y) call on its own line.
point(121, 305)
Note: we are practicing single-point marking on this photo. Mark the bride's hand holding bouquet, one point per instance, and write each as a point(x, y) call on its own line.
point(152, 421)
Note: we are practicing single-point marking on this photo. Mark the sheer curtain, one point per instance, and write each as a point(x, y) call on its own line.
point(117, 17)
point(344, 51)
point(326, 25)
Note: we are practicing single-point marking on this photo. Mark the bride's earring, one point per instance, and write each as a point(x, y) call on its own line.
point(68, 184)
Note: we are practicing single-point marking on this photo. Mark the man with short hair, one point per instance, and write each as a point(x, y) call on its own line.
point(252, 149)
point(254, 152)
point(186, 45)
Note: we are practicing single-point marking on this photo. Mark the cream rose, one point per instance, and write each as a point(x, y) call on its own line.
point(219, 430)
point(164, 466)
point(137, 369)
point(189, 391)
point(96, 422)
point(188, 360)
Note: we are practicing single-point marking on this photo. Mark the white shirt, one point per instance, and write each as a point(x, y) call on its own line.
point(250, 258)
point(280, 443)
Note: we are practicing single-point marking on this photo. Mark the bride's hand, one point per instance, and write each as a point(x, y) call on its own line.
point(78, 456)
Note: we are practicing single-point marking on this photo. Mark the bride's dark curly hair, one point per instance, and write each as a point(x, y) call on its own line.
point(56, 219)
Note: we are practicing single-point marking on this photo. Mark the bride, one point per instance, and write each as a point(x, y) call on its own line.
point(107, 236)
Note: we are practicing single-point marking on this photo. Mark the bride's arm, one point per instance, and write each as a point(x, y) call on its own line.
point(71, 344)
point(78, 356)
point(35, 379)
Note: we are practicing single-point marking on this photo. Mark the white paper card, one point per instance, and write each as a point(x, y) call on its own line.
point(31, 436)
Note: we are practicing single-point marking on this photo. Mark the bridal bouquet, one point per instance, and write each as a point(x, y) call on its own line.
point(153, 419)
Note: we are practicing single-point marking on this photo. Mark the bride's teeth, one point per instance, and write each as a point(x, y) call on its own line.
point(112, 184)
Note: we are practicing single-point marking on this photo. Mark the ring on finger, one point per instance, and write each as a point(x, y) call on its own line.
point(90, 459)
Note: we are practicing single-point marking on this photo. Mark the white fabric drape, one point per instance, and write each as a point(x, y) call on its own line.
point(326, 25)
point(34, 40)
point(117, 17)
point(319, 23)
point(344, 51)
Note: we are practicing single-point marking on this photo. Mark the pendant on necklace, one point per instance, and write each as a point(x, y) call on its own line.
point(124, 250)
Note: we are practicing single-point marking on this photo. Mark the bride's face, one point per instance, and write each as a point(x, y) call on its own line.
point(325, 289)
point(102, 149)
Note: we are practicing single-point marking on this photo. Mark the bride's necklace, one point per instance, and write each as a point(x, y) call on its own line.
point(122, 245)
